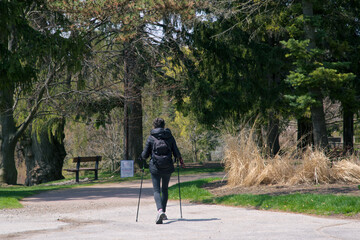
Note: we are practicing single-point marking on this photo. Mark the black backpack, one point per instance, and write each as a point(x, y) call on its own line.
point(161, 154)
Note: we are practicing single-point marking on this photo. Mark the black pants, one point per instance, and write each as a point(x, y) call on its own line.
point(161, 193)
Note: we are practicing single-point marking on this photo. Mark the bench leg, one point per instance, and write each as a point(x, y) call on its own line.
point(96, 175)
point(77, 176)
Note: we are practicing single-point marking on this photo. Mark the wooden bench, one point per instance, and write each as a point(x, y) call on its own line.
point(79, 160)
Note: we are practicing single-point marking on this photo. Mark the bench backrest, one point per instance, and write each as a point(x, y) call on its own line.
point(87, 159)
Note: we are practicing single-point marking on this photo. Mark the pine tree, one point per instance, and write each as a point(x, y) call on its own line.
point(316, 73)
point(30, 39)
point(132, 28)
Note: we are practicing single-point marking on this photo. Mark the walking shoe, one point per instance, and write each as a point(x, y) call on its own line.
point(160, 217)
point(165, 217)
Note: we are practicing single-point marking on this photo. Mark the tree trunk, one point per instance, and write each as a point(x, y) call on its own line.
point(272, 132)
point(273, 135)
point(319, 125)
point(317, 110)
point(8, 172)
point(195, 150)
point(44, 155)
point(133, 135)
point(305, 137)
point(348, 130)
point(308, 12)
point(133, 128)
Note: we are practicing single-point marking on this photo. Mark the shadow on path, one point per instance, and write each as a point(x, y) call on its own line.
point(192, 220)
point(93, 193)
point(129, 190)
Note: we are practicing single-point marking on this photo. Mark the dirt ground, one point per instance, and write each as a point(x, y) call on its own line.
point(220, 188)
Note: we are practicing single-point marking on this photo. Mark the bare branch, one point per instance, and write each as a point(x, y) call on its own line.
point(37, 102)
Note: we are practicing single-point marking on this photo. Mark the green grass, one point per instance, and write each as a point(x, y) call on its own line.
point(301, 203)
point(10, 196)
point(191, 190)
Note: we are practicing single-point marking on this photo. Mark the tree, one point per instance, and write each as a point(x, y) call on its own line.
point(343, 46)
point(133, 135)
point(239, 67)
point(31, 38)
point(317, 110)
point(191, 131)
point(315, 75)
point(44, 151)
point(130, 29)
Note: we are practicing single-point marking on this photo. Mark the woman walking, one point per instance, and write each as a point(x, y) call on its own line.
point(161, 146)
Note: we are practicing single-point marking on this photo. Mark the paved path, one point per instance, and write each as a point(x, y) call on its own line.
point(109, 211)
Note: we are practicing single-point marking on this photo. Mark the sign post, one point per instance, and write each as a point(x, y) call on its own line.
point(127, 168)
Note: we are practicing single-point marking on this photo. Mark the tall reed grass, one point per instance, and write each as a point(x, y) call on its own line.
point(247, 165)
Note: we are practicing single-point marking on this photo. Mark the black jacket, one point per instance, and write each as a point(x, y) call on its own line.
point(160, 133)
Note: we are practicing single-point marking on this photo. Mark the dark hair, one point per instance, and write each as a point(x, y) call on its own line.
point(159, 123)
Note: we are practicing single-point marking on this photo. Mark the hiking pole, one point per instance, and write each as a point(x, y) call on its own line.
point(142, 176)
point(178, 167)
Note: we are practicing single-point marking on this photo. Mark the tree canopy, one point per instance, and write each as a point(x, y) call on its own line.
point(215, 61)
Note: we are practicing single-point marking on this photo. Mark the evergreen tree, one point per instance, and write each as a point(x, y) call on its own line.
point(317, 73)
point(239, 69)
point(31, 38)
point(132, 32)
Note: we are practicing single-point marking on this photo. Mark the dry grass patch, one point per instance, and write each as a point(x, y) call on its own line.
point(346, 171)
point(246, 165)
point(314, 168)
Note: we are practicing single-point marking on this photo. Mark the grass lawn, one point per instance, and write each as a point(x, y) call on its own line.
point(301, 203)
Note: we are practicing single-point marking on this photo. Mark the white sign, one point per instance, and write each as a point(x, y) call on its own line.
point(127, 168)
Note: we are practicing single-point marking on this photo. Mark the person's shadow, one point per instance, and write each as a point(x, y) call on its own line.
point(191, 220)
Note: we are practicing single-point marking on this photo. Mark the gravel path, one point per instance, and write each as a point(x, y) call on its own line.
point(108, 211)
